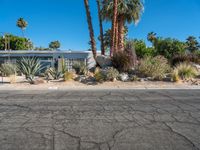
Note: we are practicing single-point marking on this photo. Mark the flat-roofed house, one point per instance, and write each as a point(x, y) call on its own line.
point(49, 58)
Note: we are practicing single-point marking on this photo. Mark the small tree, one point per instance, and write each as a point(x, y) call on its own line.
point(54, 45)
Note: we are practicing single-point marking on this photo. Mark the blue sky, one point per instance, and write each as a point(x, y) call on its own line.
point(65, 20)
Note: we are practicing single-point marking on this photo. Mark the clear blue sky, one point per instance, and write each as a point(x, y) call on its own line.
point(65, 20)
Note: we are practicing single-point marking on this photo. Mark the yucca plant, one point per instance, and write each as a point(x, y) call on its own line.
point(30, 67)
point(185, 71)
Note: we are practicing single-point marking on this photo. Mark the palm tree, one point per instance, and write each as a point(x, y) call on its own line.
point(114, 28)
point(128, 11)
point(192, 44)
point(91, 30)
point(22, 24)
point(151, 36)
point(101, 27)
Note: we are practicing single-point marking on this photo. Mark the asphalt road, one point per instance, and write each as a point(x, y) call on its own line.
point(100, 120)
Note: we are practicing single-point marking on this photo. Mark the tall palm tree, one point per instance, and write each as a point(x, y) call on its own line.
point(192, 44)
point(101, 27)
point(22, 24)
point(91, 30)
point(114, 28)
point(129, 11)
point(151, 36)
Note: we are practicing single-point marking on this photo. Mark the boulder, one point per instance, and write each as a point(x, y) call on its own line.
point(197, 66)
point(124, 77)
point(104, 61)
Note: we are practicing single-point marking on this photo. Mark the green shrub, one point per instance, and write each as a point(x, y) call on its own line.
point(100, 76)
point(108, 74)
point(80, 68)
point(30, 67)
point(169, 47)
point(68, 75)
point(111, 74)
point(155, 67)
point(8, 69)
point(142, 50)
point(185, 71)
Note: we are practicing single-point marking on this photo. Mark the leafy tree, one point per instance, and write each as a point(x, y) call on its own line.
point(22, 24)
point(128, 11)
point(16, 43)
point(142, 50)
point(91, 30)
point(192, 44)
point(54, 45)
point(169, 47)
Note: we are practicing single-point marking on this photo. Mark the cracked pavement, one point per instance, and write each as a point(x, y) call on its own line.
point(100, 120)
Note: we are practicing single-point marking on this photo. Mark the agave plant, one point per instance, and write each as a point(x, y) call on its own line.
point(54, 73)
point(80, 68)
point(30, 67)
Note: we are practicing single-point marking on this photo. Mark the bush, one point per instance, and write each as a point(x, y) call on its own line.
point(80, 68)
point(8, 69)
point(184, 71)
point(100, 76)
point(111, 74)
point(169, 47)
point(177, 59)
point(123, 61)
point(142, 50)
point(155, 67)
point(30, 67)
point(68, 76)
point(108, 74)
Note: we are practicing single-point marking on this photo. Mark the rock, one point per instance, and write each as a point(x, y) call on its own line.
point(104, 61)
point(197, 66)
point(81, 78)
point(124, 77)
point(167, 79)
point(90, 80)
point(142, 79)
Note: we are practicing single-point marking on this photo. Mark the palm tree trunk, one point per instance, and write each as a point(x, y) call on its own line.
point(101, 28)
point(91, 30)
point(114, 29)
point(23, 33)
point(121, 33)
